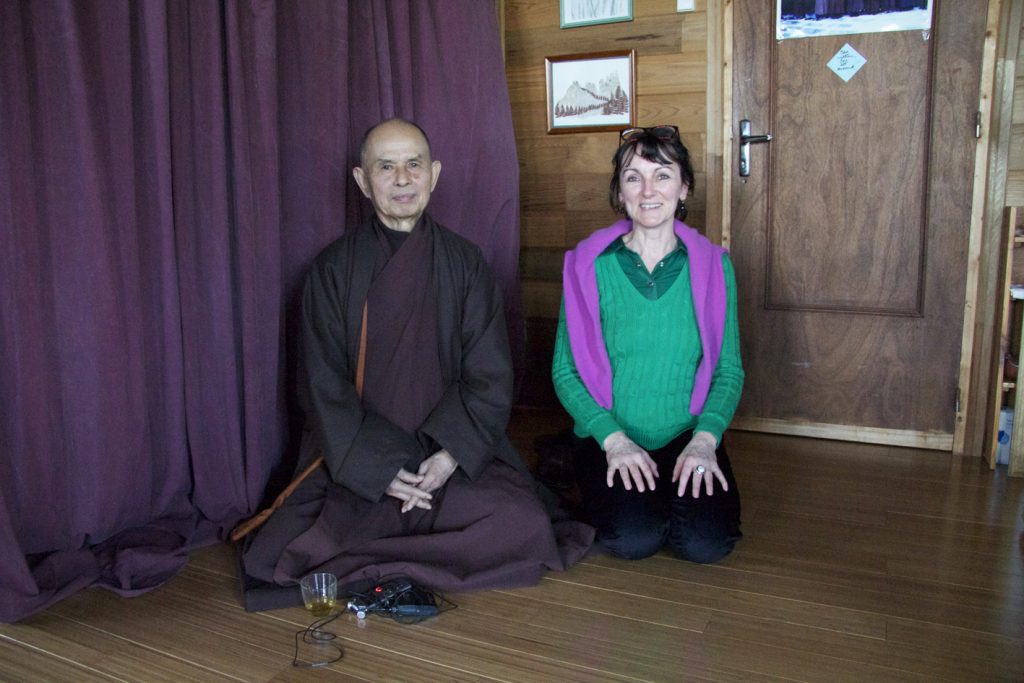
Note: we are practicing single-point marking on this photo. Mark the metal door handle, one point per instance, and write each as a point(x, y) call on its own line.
point(746, 139)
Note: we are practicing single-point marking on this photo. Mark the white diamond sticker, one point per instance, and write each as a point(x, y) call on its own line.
point(846, 62)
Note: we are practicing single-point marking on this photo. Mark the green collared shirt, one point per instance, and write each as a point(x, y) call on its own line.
point(651, 284)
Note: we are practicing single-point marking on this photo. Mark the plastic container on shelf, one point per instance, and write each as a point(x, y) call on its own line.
point(1005, 432)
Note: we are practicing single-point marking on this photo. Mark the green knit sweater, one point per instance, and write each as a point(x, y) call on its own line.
point(654, 349)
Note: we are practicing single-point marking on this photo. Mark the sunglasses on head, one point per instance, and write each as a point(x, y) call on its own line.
point(664, 132)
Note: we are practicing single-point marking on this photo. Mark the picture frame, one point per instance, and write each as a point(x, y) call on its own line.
point(591, 91)
point(575, 13)
point(798, 18)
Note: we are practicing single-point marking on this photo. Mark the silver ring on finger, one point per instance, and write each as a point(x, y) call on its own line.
point(700, 469)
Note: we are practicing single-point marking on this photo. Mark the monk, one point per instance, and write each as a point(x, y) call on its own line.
point(419, 477)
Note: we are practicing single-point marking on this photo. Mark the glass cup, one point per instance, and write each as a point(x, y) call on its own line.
point(319, 593)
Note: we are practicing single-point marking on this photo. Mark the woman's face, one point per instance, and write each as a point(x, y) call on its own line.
point(651, 191)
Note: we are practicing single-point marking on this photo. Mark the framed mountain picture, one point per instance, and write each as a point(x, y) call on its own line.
point(591, 92)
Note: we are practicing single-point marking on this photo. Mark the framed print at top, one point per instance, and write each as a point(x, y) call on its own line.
point(591, 92)
point(589, 12)
point(809, 19)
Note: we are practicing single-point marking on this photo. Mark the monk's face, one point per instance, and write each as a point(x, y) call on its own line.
point(397, 174)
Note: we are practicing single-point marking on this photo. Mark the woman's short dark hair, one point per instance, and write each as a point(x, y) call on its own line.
point(660, 150)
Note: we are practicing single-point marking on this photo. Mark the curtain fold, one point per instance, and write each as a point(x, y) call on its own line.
point(167, 172)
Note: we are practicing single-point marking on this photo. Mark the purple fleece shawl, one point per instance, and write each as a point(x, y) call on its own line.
point(583, 313)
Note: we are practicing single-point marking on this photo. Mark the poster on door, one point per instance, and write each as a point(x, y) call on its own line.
point(813, 18)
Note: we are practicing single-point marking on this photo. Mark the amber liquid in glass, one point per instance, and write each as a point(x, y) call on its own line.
point(321, 606)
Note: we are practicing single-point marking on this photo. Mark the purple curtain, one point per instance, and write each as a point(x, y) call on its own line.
point(167, 172)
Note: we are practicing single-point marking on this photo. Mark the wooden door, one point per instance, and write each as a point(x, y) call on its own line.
point(850, 234)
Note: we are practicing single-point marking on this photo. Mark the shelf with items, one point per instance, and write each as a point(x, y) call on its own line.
point(1015, 461)
point(1008, 387)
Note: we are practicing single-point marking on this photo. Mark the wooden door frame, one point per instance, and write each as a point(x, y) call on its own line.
point(983, 258)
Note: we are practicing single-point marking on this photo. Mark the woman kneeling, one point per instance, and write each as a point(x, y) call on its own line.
point(647, 363)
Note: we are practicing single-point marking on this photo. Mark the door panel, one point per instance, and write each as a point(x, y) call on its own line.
point(834, 185)
point(850, 235)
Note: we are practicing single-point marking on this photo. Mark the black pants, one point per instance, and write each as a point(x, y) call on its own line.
point(635, 525)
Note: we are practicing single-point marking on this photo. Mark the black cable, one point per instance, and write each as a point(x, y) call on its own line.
point(315, 635)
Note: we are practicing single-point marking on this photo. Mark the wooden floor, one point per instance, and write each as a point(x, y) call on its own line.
point(858, 564)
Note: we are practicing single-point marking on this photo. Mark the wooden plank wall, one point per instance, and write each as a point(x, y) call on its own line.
point(1015, 174)
point(564, 178)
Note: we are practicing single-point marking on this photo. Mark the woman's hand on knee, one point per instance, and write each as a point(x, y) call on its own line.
point(633, 463)
point(699, 464)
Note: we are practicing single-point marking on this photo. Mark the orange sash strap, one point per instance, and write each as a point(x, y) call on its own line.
point(257, 520)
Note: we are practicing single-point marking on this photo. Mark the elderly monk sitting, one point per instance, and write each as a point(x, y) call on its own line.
point(420, 478)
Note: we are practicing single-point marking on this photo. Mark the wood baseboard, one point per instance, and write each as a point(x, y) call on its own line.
point(938, 441)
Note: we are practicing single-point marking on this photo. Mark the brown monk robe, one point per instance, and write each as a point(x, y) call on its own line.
point(438, 375)
point(420, 478)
